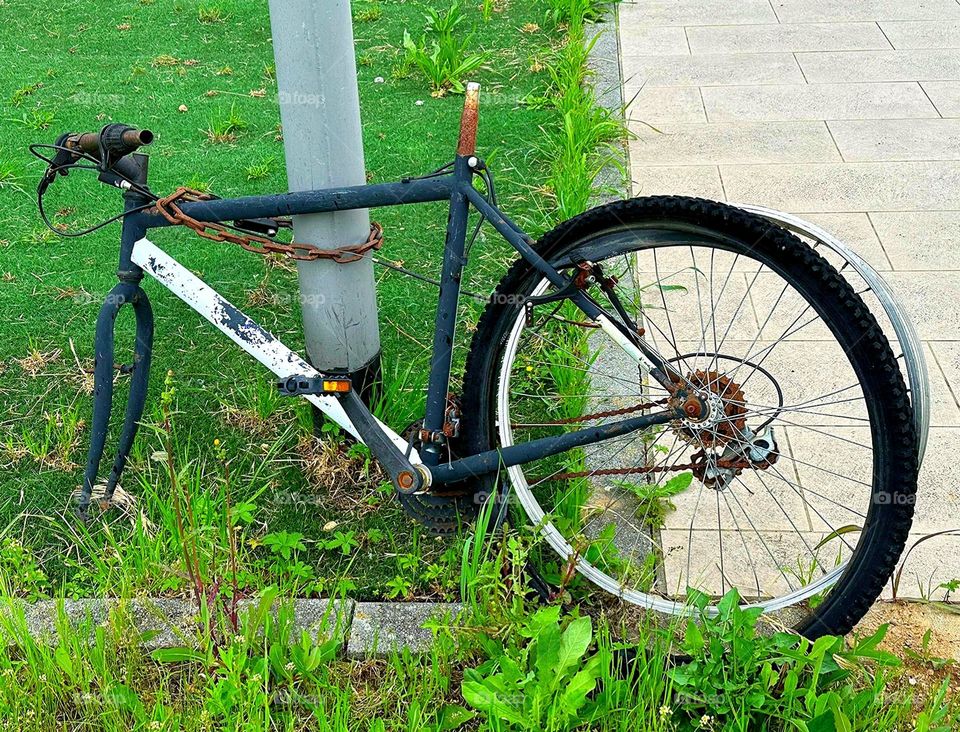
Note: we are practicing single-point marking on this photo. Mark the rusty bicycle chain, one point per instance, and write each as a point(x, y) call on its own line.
point(168, 208)
point(692, 466)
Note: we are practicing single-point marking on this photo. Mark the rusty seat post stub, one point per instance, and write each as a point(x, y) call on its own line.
point(469, 120)
point(171, 211)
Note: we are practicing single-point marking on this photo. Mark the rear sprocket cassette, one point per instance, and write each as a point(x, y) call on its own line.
point(724, 427)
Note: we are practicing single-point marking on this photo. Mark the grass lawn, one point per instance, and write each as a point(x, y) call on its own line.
point(193, 72)
point(312, 516)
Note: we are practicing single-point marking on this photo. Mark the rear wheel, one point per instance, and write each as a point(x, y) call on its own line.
point(796, 487)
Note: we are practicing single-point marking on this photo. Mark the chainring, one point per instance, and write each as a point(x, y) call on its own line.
point(440, 513)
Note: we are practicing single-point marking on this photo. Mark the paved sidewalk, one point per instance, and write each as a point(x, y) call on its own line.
point(847, 113)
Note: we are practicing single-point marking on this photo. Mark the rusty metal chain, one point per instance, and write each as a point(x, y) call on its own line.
point(168, 208)
point(693, 466)
point(609, 413)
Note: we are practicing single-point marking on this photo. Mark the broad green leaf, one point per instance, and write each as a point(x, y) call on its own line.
point(822, 723)
point(177, 655)
point(453, 716)
point(677, 484)
point(574, 642)
point(548, 651)
point(489, 701)
point(62, 657)
point(579, 687)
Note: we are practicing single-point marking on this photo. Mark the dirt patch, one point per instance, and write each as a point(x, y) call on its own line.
point(928, 659)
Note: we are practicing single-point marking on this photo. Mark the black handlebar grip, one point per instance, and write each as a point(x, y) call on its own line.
point(116, 139)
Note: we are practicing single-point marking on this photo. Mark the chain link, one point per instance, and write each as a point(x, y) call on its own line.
point(171, 211)
point(694, 466)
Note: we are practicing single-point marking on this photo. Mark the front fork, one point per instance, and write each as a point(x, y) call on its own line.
point(127, 291)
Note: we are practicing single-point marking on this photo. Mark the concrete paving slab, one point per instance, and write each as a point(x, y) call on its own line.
point(161, 622)
point(715, 69)
point(853, 66)
point(671, 314)
point(938, 495)
point(319, 618)
point(381, 628)
point(945, 96)
point(749, 558)
point(897, 139)
point(782, 312)
point(753, 502)
point(836, 475)
point(933, 562)
point(656, 105)
point(687, 180)
point(839, 187)
point(919, 240)
point(693, 12)
point(653, 41)
point(786, 37)
point(922, 33)
point(933, 301)
point(944, 411)
point(894, 198)
point(817, 102)
point(743, 142)
point(815, 11)
point(168, 622)
point(947, 359)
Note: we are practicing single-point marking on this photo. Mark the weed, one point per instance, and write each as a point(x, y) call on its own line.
point(20, 94)
point(37, 360)
point(165, 60)
point(738, 677)
point(263, 406)
point(654, 503)
point(487, 8)
point(369, 14)
point(211, 14)
point(574, 13)
point(544, 683)
point(197, 183)
point(441, 55)
point(898, 574)
point(35, 119)
point(260, 170)
point(284, 543)
point(20, 573)
point(225, 128)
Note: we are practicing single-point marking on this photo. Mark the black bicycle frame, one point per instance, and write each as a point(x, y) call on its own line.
point(455, 187)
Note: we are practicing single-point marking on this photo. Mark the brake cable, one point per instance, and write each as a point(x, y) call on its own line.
point(54, 169)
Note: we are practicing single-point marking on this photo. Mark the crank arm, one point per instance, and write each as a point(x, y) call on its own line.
point(406, 478)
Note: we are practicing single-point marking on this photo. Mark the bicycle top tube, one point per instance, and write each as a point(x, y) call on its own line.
point(416, 190)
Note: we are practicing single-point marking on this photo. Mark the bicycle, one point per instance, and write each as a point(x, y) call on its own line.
point(610, 387)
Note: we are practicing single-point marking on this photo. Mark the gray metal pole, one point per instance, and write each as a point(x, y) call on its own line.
point(320, 112)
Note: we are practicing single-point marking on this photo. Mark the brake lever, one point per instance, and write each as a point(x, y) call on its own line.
point(59, 164)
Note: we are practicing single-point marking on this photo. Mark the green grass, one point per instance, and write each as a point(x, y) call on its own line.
point(201, 76)
point(501, 665)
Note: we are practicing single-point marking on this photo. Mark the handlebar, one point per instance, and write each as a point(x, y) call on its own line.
point(116, 140)
point(108, 147)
